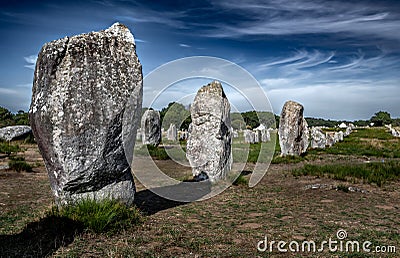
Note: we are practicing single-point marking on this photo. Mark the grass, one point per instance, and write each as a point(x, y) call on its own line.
point(241, 180)
point(373, 173)
point(287, 159)
point(7, 148)
point(19, 164)
point(100, 216)
point(375, 142)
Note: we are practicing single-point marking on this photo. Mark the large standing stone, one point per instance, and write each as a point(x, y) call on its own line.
point(14, 132)
point(293, 130)
point(172, 133)
point(318, 138)
point(81, 87)
point(151, 127)
point(209, 146)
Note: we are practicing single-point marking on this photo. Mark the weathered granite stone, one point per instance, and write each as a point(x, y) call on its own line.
point(348, 131)
point(172, 133)
point(340, 136)
point(265, 135)
point(209, 146)
point(318, 139)
point(10, 133)
point(81, 86)
point(151, 127)
point(330, 139)
point(293, 131)
point(235, 134)
point(257, 136)
point(249, 136)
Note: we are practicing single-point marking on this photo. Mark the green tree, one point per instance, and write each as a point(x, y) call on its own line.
point(175, 113)
point(381, 118)
point(6, 117)
point(21, 118)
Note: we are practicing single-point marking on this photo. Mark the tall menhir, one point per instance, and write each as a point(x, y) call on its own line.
point(80, 90)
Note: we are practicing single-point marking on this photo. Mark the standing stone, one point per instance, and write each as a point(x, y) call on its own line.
point(247, 136)
point(172, 133)
point(81, 87)
point(14, 132)
point(348, 131)
point(293, 130)
point(340, 136)
point(151, 127)
point(257, 136)
point(265, 135)
point(235, 134)
point(209, 146)
point(318, 139)
point(330, 139)
point(183, 135)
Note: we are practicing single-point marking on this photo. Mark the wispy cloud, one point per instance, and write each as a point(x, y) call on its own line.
point(184, 45)
point(290, 17)
point(31, 60)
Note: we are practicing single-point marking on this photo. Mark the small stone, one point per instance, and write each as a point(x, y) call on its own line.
point(151, 127)
point(172, 133)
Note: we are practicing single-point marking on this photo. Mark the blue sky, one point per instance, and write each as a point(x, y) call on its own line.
point(340, 59)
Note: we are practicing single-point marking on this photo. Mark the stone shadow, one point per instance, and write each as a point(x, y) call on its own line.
point(40, 238)
point(152, 201)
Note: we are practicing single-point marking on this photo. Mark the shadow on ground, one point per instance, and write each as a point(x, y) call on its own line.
point(40, 238)
point(151, 201)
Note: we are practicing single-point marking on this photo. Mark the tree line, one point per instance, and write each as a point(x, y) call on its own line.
point(176, 113)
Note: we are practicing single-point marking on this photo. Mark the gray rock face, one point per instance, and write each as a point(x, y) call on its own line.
point(172, 133)
point(81, 87)
point(10, 133)
point(151, 127)
point(293, 131)
point(209, 146)
point(318, 139)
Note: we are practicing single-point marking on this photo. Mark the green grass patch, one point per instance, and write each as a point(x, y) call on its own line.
point(100, 216)
point(19, 164)
point(241, 180)
point(287, 159)
point(7, 148)
point(374, 173)
point(376, 142)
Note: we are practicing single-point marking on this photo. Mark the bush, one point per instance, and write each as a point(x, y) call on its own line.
point(8, 148)
point(19, 164)
point(100, 216)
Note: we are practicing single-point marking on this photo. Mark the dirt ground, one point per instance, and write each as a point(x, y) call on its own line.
point(281, 207)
